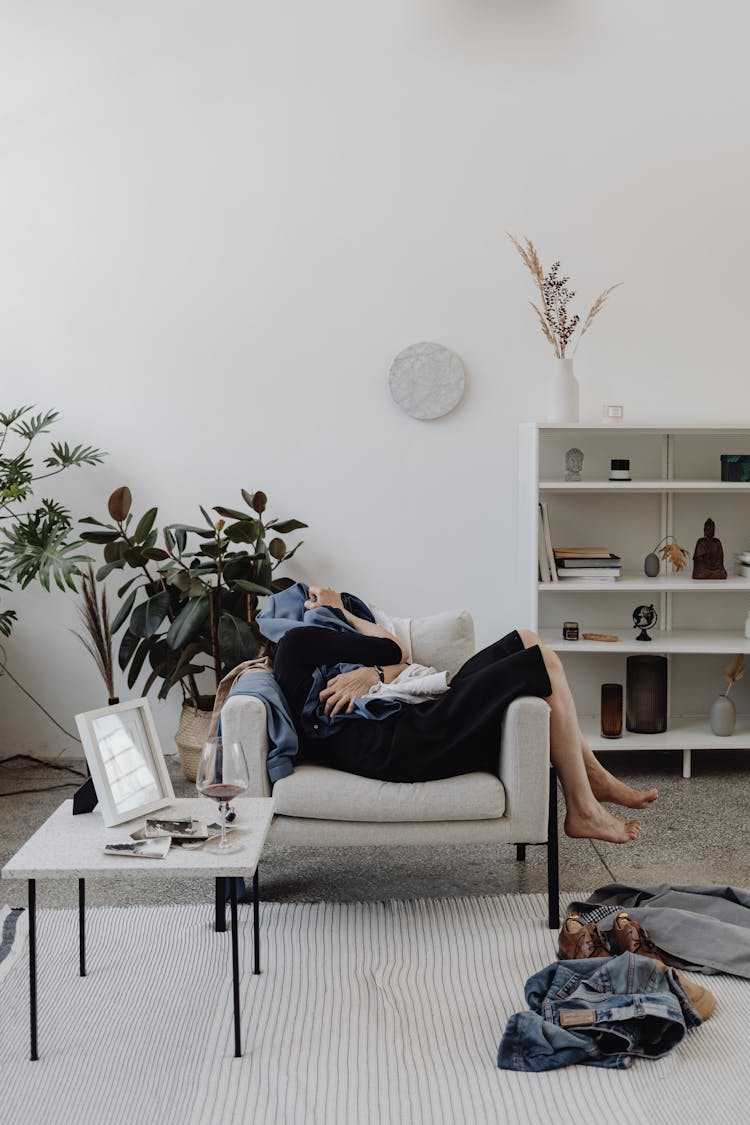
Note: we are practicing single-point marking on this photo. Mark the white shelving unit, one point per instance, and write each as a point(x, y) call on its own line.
point(676, 486)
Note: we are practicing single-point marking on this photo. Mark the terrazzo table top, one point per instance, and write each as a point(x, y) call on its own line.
point(68, 845)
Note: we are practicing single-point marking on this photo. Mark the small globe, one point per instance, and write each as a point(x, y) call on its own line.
point(644, 617)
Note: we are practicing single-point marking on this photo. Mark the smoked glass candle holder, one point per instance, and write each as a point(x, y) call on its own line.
point(611, 710)
point(646, 679)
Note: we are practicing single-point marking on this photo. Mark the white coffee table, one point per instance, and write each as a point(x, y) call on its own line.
point(68, 845)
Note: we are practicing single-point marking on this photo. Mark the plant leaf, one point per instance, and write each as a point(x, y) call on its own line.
point(148, 616)
point(285, 526)
point(7, 617)
point(251, 587)
point(144, 525)
point(128, 645)
point(236, 640)
point(137, 661)
point(189, 622)
point(123, 611)
point(100, 536)
point(119, 503)
point(103, 571)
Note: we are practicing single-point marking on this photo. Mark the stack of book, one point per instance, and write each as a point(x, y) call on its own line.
point(547, 568)
point(587, 564)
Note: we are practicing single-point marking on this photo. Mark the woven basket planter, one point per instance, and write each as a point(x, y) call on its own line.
point(192, 732)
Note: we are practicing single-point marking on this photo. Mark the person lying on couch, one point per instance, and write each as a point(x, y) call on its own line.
point(456, 732)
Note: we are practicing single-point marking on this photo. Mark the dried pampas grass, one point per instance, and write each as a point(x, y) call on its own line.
point(734, 672)
point(94, 616)
point(557, 324)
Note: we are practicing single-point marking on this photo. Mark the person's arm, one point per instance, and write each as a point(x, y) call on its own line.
point(324, 595)
point(341, 691)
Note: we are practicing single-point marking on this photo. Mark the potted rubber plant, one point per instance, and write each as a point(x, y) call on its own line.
point(190, 607)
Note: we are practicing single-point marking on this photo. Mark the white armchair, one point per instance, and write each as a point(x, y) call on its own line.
point(320, 807)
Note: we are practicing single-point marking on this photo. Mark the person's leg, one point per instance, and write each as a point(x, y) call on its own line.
point(486, 657)
point(604, 785)
point(585, 817)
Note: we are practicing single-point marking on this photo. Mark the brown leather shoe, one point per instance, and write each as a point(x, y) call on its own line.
point(579, 940)
point(629, 936)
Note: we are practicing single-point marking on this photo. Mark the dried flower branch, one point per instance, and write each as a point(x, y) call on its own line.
point(95, 618)
point(672, 552)
point(557, 323)
point(676, 555)
point(734, 672)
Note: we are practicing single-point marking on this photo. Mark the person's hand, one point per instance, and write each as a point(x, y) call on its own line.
point(341, 691)
point(323, 595)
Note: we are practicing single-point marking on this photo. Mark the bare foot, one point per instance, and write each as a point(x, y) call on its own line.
point(599, 824)
point(606, 787)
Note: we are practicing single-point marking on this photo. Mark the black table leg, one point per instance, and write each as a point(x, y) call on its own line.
point(235, 968)
point(221, 909)
point(32, 967)
point(256, 927)
point(82, 927)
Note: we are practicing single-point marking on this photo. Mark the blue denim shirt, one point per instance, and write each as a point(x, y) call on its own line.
point(600, 1011)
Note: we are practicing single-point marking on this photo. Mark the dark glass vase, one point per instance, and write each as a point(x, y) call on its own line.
point(646, 710)
point(611, 710)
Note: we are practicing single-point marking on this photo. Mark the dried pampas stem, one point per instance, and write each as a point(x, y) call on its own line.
point(595, 308)
point(734, 672)
point(95, 618)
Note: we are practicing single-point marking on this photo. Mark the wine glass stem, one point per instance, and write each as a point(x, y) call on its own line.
point(223, 810)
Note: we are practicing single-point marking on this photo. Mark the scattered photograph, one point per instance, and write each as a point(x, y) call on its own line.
point(141, 849)
point(185, 829)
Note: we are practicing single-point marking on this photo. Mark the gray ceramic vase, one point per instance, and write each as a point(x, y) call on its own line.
point(722, 716)
point(651, 565)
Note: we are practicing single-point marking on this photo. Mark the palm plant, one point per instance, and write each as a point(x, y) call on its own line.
point(36, 540)
point(193, 598)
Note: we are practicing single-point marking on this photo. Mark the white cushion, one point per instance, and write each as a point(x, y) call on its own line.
point(443, 640)
point(319, 793)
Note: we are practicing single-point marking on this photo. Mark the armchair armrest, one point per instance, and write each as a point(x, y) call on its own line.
point(243, 717)
point(524, 768)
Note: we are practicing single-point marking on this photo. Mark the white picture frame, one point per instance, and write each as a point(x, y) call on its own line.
point(126, 760)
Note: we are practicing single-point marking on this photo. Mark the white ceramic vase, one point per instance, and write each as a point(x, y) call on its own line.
point(562, 393)
point(722, 716)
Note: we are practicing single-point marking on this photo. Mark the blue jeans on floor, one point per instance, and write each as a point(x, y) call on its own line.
point(600, 1011)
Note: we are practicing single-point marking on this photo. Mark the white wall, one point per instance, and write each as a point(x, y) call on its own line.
point(220, 222)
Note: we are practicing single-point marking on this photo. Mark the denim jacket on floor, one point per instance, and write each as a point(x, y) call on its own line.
point(600, 1011)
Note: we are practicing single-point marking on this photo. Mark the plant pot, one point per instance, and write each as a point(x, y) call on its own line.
point(722, 716)
point(562, 393)
point(192, 732)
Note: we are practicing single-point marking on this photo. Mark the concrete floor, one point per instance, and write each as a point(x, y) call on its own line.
point(698, 833)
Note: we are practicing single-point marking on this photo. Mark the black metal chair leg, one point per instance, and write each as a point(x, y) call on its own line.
point(220, 924)
point(82, 927)
point(235, 968)
point(32, 969)
point(256, 920)
point(520, 852)
point(553, 860)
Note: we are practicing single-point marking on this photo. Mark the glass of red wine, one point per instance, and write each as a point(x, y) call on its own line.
point(222, 775)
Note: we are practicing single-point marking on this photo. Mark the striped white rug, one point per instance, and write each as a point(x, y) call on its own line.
point(365, 1013)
